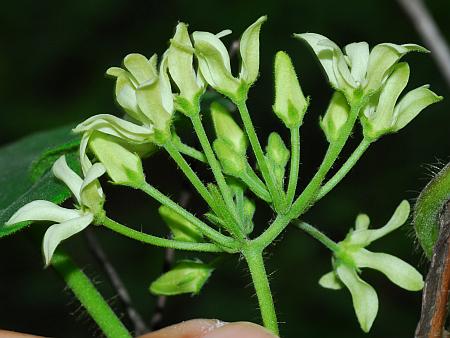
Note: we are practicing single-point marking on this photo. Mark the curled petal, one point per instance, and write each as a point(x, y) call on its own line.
point(358, 55)
point(140, 67)
point(398, 271)
point(61, 231)
point(249, 48)
point(365, 299)
point(94, 172)
point(166, 89)
point(85, 162)
point(41, 210)
point(70, 178)
point(412, 104)
point(118, 127)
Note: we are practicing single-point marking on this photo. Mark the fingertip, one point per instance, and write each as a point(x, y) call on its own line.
point(241, 330)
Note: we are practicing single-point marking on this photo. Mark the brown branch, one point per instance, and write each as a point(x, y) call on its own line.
point(429, 31)
point(139, 325)
point(437, 283)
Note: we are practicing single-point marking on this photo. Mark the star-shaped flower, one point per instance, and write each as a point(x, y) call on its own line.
point(89, 199)
point(351, 256)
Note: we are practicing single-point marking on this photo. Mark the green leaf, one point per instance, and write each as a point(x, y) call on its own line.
point(185, 277)
point(24, 174)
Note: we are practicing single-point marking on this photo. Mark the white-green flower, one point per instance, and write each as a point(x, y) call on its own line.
point(357, 68)
point(214, 61)
point(383, 114)
point(351, 256)
point(89, 199)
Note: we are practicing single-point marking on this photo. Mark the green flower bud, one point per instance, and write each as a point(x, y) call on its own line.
point(290, 103)
point(335, 117)
point(181, 228)
point(276, 150)
point(249, 211)
point(122, 166)
point(227, 129)
point(181, 69)
point(233, 163)
point(184, 277)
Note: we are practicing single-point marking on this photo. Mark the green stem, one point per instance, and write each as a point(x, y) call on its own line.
point(307, 197)
point(88, 296)
point(209, 232)
point(317, 234)
point(214, 164)
point(259, 154)
point(260, 281)
point(189, 173)
point(346, 167)
point(190, 151)
point(158, 241)
point(255, 184)
point(295, 164)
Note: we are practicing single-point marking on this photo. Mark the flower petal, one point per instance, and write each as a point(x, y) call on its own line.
point(140, 67)
point(330, 281)
point(324, 53)
point(382, 58)
point(398, 271)
point(41, 210)
point(115, 126)
point(164, 83)
point(362, 222)
point(358, 54)
point(412, 104)
point(70, 178)
point(61, 231)
point(365, 299)
point(249, 48)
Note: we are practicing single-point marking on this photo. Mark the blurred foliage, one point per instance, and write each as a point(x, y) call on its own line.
point(52, 67)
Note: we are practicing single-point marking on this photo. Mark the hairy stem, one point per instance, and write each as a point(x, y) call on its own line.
point(214, 235)
point(295, 163)
point(88, 295)
point(190, 151)
point(259, 154)
point(317, 234)
point(260, 281)
point(346, 167)
point(158, 241)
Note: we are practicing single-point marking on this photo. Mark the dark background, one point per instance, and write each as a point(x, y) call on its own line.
point(52, 61)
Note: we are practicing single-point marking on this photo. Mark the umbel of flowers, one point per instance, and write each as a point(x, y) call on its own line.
point(151, 91)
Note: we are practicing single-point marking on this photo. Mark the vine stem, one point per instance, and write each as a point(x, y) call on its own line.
point(214, 235)
point(259, 154)
point(346, 167)
point(158, 241)
point(214, 163)
point(260, 281)
point(295, 164)
point(88, 295)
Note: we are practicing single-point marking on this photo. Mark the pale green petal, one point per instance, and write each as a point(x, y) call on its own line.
point(330, 281)
point(249, 48)
point(227, 129)
point(180, 60)
point(335, 117)
point(84, 159)
point(164, 83)
point(290, 103)
point(41, 210)
point(324, 53)
point(362, 222)
point(358, 54)
point(382, 58)
point(70, 178)
point(412, 104)
point(365, 299)
point(365, 237)
point(383, 119)
point(398, 271)
point(118, 127)
point(214, 62)
point(140, 67)
point(61, 231)
point(91, 192)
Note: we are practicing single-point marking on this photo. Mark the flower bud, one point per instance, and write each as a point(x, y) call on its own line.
point(290, 103)
point(233, 163)
point(227, 129)
point(277, 152)
point(181, 228)
point(335, 117)
point(184, 277)
point(122, 166)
